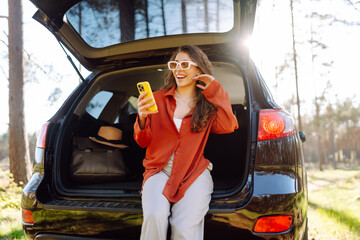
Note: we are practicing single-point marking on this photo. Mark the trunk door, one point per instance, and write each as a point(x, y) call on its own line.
point(102, 33)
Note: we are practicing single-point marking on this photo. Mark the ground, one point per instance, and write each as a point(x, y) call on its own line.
point(334, 204)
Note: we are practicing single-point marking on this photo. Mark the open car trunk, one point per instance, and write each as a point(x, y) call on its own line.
point(120, 42)
point(112, 100)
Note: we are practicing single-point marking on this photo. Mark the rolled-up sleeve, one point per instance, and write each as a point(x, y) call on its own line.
point(225, 120)
point(143, 137)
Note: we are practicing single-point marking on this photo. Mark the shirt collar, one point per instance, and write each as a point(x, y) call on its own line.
point(170, 92)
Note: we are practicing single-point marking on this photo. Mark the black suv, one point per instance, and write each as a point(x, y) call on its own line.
point(260, 188)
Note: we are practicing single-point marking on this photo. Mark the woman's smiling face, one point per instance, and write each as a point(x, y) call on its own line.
point(183, 78)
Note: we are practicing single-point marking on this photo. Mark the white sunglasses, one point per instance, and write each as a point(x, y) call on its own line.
point(184, 65)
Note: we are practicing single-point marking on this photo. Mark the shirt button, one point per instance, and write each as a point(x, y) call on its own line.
point(176, 153)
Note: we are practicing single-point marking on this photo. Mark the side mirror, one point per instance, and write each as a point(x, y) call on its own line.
point(302, 136)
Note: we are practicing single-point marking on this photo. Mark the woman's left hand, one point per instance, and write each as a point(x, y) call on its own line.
point(204, 78)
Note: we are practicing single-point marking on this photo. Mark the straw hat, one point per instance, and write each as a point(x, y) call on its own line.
point(110, 136)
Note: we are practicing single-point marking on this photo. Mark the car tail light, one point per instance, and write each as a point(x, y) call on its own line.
point(27, 216)
point(273, 224)
point(275, 123)
point(41, 139)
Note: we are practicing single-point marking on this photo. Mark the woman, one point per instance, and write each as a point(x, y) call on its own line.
point(177, 183)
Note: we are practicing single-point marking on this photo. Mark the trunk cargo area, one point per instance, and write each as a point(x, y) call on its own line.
point(111, 100)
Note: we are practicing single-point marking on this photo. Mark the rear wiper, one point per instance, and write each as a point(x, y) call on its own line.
point(72, 63)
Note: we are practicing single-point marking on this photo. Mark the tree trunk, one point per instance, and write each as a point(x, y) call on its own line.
point(295, 64)
point(80, 32)
point(332, 141)
point(127, 20)
point(217, 15)
point(320, 152)
point(146, 15)
point(206, 16)
point(163, 16)
point(183, 16)
point(19, 155)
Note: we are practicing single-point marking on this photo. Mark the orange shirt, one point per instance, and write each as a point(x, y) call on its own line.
point(162, 139)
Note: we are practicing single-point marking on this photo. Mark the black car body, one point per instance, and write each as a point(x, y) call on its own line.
point(260, 187)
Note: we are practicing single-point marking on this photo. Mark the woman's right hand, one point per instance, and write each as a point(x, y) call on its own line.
point(143, 106)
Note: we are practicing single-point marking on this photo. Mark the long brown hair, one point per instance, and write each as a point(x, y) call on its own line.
point(204, 109)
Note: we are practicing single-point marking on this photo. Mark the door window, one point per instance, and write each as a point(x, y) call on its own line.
point(98, 103)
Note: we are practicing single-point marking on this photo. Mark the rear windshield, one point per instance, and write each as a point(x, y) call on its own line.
point(103, 23)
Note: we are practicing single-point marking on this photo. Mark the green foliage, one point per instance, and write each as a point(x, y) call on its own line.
point(4, 146)
point(338, 128)
point(9, 195)
point(10, 208)
point(334, 204)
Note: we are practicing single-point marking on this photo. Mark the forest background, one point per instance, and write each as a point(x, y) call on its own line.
point(324, 40)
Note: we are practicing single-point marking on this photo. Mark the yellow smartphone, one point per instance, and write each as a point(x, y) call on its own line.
point(145, 87)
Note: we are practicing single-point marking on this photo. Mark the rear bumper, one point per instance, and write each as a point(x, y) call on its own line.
point(237, 224)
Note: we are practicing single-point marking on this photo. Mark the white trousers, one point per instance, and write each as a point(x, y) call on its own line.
point(186, 216)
